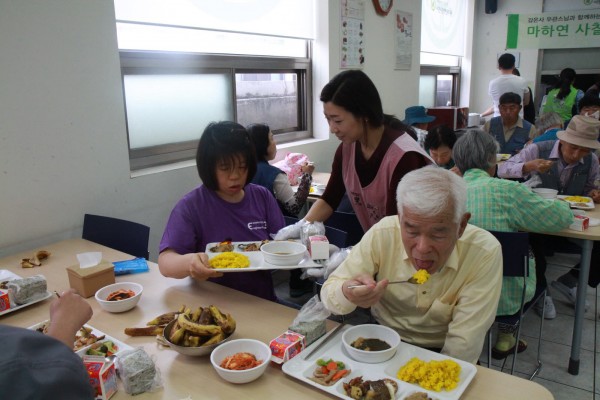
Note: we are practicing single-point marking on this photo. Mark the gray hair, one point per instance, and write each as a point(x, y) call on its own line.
point(475, 149)
point(429, 190)
point(546, 120)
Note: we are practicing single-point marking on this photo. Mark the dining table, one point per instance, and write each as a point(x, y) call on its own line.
point(585, 239)
point(188, 377)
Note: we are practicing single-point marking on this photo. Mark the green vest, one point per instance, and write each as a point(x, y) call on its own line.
point(562, 107)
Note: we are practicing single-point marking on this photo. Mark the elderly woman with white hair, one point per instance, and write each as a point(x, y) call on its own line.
point(506, 206)
point(452, 311)
point(547, 125)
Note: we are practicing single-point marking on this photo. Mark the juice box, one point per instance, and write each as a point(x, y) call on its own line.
point(103, 376)
point(286, 346)
point(4, 300)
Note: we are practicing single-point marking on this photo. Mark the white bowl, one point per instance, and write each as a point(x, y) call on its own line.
point(260, 350)
point(190, 351)
point(546, 193)
point(371, 331)
point(119, 305)
point(283, 252)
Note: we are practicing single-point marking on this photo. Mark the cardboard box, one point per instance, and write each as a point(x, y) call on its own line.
point(88, 280)
point(103, 376)
point(318, 247)
point(4, 300)
point(580, 223)
point(286, 346)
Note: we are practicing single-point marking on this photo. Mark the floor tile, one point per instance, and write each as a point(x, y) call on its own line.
point(560, 330)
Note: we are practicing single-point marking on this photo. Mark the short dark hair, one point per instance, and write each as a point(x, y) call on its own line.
point(510, 98)
point(438, 136)
point(506, 61)
point(259, 133)
point(589, 100)
point(354, 91)
point(223, 141)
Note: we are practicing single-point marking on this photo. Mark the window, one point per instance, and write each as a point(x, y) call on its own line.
point(179, 76)
point(439, 86)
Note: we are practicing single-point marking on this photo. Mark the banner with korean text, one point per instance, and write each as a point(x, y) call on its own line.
point(557, 30)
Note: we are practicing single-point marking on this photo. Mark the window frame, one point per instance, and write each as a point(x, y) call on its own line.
point(454, 71)
point(135, 62)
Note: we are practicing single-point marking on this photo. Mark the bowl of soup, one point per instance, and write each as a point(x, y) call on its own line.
point(284, 253)
point(371, 343)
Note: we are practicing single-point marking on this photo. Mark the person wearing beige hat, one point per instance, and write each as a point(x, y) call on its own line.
point(570, 166)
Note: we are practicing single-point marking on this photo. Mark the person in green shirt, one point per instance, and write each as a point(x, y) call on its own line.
point(506, 206)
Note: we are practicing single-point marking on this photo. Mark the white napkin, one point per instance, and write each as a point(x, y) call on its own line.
point(88, 260)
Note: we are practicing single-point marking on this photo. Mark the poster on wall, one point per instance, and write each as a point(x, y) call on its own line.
point(569, 29)
point(352, 51)
point(404, 38)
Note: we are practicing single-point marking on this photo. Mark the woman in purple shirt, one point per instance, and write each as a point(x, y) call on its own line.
point(225, 207)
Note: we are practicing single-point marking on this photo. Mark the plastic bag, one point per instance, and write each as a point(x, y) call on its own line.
point(138, 372)
point(330, 265)
point(300, 230)
point(310, 320)
point(292, 165)
point(533, 182)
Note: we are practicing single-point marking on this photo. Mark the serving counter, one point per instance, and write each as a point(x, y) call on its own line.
point(193, 377)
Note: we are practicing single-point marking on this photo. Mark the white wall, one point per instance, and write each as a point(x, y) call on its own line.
point(63, 145)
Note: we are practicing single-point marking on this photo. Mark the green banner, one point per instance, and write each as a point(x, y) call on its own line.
point(558, 30)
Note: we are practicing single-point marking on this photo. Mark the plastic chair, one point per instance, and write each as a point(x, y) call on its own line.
point(347, 222)
point(126, 236)
point(515, 255)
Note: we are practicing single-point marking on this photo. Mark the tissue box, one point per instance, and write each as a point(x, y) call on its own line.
point(4, 300)
point(286, 346)
point(580, 223)
point(103, 377)
point(318, 247)
point(88, 280)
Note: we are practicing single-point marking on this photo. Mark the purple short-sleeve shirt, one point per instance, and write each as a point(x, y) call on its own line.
point(202, 217)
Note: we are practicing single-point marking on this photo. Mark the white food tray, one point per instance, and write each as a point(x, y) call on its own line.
point(81, 352)
point(587, 205)
point(257, 261)
point(6, 275)
point(302, 369)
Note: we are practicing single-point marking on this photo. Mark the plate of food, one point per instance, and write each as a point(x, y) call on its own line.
point(579, 202)
point(246, 256)
point(89, 341)
point(410, 372)
point(502, 157)
point(22, 292)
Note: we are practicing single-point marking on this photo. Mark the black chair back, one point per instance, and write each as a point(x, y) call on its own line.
point(515, 252)
point(126, 236)
point(347, 222)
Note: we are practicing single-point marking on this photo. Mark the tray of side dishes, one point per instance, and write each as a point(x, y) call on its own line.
point(257, 261)
point(88, 338)
point(6, 275)
point(579, 202)
point(302, 369)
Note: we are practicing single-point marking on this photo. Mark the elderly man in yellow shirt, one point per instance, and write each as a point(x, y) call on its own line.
point(452, 311)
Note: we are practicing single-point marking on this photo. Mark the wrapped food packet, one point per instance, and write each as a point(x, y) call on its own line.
point(310, 321)
point(311, 229)
point(138, 372)
point(26, 290)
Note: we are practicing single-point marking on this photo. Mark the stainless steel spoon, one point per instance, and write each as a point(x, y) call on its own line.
point(410, 280)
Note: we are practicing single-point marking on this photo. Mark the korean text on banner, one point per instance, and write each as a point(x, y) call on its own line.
point(553, 30)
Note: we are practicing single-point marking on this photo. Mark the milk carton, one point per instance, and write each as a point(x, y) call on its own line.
point(318, 247)
point(103, 376)
point(580, 223)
